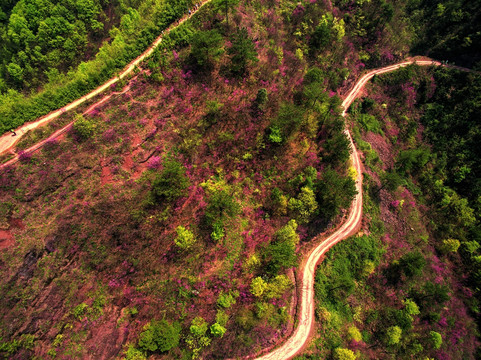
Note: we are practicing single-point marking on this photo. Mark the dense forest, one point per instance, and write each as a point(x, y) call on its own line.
point(170, 220)
point(55, 51)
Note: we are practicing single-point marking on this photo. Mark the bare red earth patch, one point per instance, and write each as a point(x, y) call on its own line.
point(6, 239)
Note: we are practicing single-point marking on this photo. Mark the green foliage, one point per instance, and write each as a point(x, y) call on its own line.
point(132, 353)
point(344, 354)
point(287, 233)
point(45, 42)
point(226, 300)
point(217, 330)
point(197, 340)
point(9, 348)
point(410, 307)
point(412, 160)
point(185, 238)
point(261, 97)
point(393, 335)
point(217, 233)
point(288, 121)
point(221, 205)
point(409, 265)
point(281, 253)
point(205, 49)
point(160, 336)
point(277, 287)
point(242, 52)
point(221, 317)
point(353, 333)
point(258, 286)
point(171, 183)
point(436, 339)
point(342, 268)
point(369, 123)
point(391, 180)
point(79, 311)
point(334, 192)
point(304, 206)
point(84, 128)
point(198, 327)
point(275, 135)
point(450, 245)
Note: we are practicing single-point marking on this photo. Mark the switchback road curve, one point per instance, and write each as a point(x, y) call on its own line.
point(305, 321)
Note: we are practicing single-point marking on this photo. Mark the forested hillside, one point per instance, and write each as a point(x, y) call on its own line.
point(53, 52)
point(169, 221)
point(409, 286)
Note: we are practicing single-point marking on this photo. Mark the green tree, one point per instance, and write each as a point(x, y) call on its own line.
point(393, 335)
point(334, 192)
point(354, 334)
point(450, 245)
point(242, 52)
point(160, 336)
point(83, 127)
point(279, 255)
point(217, 330)
point(171, 183)
point(205, 49)
point(226, 300)
point(185, 238)
point(258, 286)
point(411, 308)
point(277, 287)
point(436, 339)
point(304, 206)
point(344, 354)
point(198, 326)
point(287, 233)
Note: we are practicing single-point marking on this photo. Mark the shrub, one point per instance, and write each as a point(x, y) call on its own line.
point(160, 336)
point(450, 245)
point(344, 354)
point(436, 339)
point(185, 238)
point(226, 300)
point(84, 128)
point(354, 334)
point(393, 335)
point(217, 330)
point(277, 287)
point(304, 206)
point(198, 326)
point(258, 286)
point(171, 183)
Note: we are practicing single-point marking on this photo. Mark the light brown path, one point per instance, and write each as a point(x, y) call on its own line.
point(7, 141)
point(298, 340)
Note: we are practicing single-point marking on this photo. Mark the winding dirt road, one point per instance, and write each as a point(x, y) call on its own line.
point(298, 339)
point(7, 141)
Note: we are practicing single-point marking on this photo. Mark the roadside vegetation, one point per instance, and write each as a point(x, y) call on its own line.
point(406, 286)
point(54, 52)
point(169, 221)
